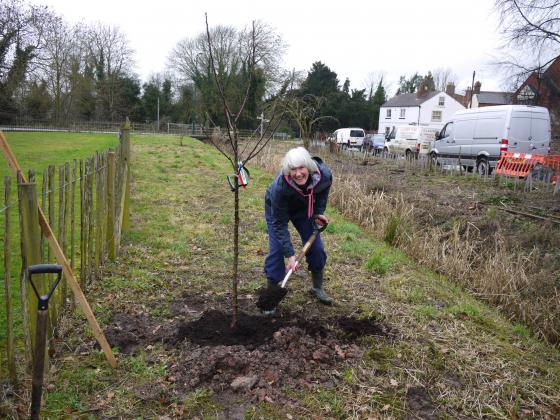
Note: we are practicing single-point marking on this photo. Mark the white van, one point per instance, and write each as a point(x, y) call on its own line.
point(478, 136)
point(349, 137)
point(410, 140)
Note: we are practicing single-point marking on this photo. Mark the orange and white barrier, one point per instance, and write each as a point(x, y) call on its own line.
point(522, 164)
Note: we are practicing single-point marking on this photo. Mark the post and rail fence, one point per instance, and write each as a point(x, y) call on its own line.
point(168, 128)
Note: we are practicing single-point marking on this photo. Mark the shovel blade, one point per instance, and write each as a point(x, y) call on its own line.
point(270, 297)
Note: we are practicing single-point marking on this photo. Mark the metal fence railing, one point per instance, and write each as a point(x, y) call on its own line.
point(178, 129)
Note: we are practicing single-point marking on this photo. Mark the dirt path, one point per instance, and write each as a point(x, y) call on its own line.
point(399, 342)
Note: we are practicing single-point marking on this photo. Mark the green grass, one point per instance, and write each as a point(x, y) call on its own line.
point(471, 311)
point(384, 259)
point(326, 401)
point(38, 150)
point(345, 228)
point(199, 402)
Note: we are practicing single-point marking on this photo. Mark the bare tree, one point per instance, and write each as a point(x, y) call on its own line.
point(372, 81)
point(110, 55)
point(190, 60)
point(55, 63)
point(442, 77)
point(532, 28)
point(224, 59)
point(305, 111)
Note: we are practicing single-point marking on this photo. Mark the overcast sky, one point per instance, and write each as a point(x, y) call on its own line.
point(355, 38)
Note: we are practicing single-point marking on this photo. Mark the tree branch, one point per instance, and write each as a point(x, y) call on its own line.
point(227, 111)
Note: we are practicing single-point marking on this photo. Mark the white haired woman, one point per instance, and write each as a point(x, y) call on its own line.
point(298, 194)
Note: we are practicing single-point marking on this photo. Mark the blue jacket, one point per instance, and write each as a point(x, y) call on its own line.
point(284, 201)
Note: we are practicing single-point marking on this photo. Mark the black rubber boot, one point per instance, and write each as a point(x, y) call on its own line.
point(271, 284)
point(317, 289)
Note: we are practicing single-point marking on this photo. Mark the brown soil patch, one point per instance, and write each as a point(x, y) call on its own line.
point(258, 359)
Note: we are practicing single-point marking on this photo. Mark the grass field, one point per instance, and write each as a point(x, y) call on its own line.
point(448, 356)
point(38, 150)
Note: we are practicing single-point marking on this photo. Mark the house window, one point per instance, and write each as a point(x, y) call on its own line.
point(388, 114)
point(403, 113)
point(436, 116)
point(441, 101)
point(526, 96)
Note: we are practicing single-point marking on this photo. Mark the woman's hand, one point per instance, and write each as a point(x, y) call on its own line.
point(322, 220)
point(292, 264)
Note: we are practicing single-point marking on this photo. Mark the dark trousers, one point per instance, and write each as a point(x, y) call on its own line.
point(316, 257)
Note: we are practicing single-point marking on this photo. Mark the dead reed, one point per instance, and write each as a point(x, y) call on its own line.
point(484, 265)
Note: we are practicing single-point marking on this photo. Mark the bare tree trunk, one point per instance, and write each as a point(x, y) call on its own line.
point(235, 255)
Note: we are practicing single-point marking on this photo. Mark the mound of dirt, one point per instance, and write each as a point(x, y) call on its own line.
point(292, 359)
point(258, 358)
point(213, 329)
point(128, 332)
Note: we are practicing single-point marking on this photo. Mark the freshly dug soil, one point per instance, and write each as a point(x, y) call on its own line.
point(258, 359)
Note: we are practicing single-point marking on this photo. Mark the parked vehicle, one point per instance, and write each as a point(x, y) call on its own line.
point(476, 137)
point(350, 137)
point(374, 143)
point(367, 144)
point(410, 140)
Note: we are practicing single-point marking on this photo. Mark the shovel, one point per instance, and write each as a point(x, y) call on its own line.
point(273, 294)
point(41, 337)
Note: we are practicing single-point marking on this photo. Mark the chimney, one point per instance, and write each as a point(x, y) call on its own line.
point(477, 86)
point(467, 98)
point(421, 90)
point(450, 89)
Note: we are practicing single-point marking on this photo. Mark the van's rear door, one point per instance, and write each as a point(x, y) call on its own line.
point(540, 132)
point(520, 132)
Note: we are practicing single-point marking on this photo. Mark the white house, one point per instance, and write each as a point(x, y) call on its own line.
point(420, 108)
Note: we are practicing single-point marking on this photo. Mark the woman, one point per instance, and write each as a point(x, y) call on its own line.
point(299, 195)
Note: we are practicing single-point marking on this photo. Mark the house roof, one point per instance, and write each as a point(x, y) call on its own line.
point(495, 98)
point(408, 99)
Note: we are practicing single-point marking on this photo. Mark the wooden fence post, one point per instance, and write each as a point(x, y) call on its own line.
point(119, 222)
point(126, 186)
point(22, 281)
point(90, 221)
point(10, 355)
point(31, 242)
point(57, 303)
point(73, 216)
point(44, 190)
point(83, 234)
point(103, 199)
point(66, 188)
point(119, 176)
point(98, 214)
point(110, 233)
point(50, 193)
